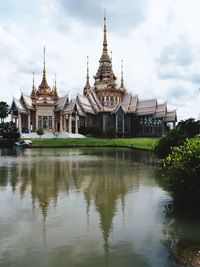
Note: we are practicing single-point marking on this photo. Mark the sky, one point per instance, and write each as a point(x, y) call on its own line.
point(159, 42)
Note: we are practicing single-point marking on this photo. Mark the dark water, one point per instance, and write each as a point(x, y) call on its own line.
point(85, 207)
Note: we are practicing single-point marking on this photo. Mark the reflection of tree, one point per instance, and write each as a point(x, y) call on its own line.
point(182, 235)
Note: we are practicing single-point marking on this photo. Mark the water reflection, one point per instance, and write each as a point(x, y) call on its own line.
point(182, 234)
point(116, 184)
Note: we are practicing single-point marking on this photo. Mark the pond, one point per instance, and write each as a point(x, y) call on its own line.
point(86, 207)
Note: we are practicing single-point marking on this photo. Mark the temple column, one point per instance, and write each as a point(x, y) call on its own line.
point(116, 123)
point(29, 122)
point(61, 123)
point(19, 122)
point(65, 128)
point(123, 125)
point(36, 121)
point(174, 125)
point(104, 123)
point(53, 123)
point(70, 124)
point(76, 123)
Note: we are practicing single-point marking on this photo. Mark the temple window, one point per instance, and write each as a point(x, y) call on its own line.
point(40, 122)
point(50, 122)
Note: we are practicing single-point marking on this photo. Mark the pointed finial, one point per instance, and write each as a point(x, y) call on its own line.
point(33, 81)
point(122, 74)
point(44, 51)
point(87, 69)
point(105, 34)
point(87, 85)
point(55, 81)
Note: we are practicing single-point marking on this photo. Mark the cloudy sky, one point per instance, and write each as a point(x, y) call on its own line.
point(158, 40)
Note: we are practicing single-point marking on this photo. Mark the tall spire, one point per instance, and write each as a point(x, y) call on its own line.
point(33, 87)
point(44, 87)
point(44, 63)
point(122, 74)
point(54, 90)
point(55, 82)
point(105, 44)
point(33, 92)
point(87, 85)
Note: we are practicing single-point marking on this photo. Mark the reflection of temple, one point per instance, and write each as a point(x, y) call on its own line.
point(104, 105)
point(103, 176)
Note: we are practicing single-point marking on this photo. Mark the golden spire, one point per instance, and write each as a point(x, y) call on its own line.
point(44, 63)
point(87, 77)
point(87, 85)
point(33, 93)
point(33, 81)
point(122, 74)
point(44, 87)
point(55, 83)
point(54, 90)
point(105, 44)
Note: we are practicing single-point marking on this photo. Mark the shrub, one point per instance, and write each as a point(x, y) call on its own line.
point(190, 127)
point(40, 132)
point(181, 171)
point(9, 134)
point(172, 138)
point(185, 129)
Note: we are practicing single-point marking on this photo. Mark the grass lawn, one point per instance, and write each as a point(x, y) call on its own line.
point(143, 143)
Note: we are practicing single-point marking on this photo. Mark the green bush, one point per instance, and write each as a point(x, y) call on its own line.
point(191, 127)
point(181, 171)
point(171, 139)
point(185, 129)
point(40, 132)
point(9, 134)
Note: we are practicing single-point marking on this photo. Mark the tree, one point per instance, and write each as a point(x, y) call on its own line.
point(9, 134)
point(171, 139)
point(181, 172)
point(4, 110)
point(190, 126)
point(185, 129)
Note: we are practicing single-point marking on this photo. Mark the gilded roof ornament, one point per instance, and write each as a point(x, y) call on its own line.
point(87, 85)
point(44, 88)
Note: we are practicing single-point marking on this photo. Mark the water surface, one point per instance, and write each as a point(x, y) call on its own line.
point(82, 207)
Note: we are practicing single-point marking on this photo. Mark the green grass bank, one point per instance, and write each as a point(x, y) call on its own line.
point(140, 143)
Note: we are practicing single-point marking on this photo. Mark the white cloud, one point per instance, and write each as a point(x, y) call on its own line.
point(159, 41)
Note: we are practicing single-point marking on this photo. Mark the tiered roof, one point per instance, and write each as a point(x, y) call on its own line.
point(89, 102)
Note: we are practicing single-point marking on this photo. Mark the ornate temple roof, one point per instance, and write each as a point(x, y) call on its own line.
point(105, 75)
point(44, 88)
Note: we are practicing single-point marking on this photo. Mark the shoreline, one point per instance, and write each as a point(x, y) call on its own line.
point(95, 146)
point(146, 144)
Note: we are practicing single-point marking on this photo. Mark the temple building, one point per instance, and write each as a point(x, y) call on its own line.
point(104, 105)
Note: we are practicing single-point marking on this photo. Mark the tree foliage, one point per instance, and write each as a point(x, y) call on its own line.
point(181, 171)
point(185, 129)
point(190, 127)
point(171, 139)
point(4, 110)
point(9, 134)
point(40, 132)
